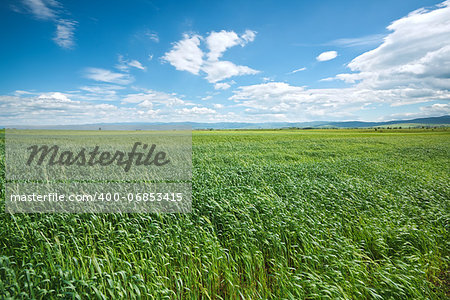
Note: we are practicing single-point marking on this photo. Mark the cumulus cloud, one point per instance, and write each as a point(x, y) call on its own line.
point(248, 36)
point(435, 110)
point(222, 86)
point(52, 108)
point(56, 96)
point(55, 108)
point(186, 55)
point(154, 97)
point(220, 70)
point(104, 75)
point(146, 104)
point(219, 42)
point(291, 102)
point(327, 55)
point(416, 54)
point(411, 66)
point(298, 103)
point(99, 92)
point(196, 111)
point(267, 91)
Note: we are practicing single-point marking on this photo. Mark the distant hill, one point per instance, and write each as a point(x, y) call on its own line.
point(433, 121)
point(444, 120)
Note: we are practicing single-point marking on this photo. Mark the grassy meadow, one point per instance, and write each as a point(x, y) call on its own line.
point(277, 214)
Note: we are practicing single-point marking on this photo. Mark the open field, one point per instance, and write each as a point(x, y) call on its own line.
point(276, 214)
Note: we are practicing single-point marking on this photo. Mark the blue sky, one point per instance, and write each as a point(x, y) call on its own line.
point(206, 61)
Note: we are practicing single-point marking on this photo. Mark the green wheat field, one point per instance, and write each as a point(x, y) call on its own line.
point(277, 214)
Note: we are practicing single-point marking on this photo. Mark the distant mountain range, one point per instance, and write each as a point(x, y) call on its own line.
point(433, 121)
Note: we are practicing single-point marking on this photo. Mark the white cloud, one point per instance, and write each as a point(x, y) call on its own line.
point(220, 70)
point(267, 91)
point(104, 92)
point(152, 36)
point(136, 64)
point(196, 111)
point(416, 54)
point(125, 64)
point(104, 75)
point(297, 70)
point(435, 110)
point(327, 55)
point(218, 106)
point(56, 96)
point(146, 104)
point(51, 10)
point(219, 42)
point(65, 33)
point(60, 108)
point(368, 40)
point(222, 86)
point(411, 66)
point(101, 89)
point(41, 9)
point(248, 36)
point(186, 55)
point(297, 103)
point(100, 92)
point(328, 79)
point(20, 93)
point(54, 108)
point(154, 97)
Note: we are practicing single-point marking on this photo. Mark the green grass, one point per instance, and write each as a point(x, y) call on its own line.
point(351, 214)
